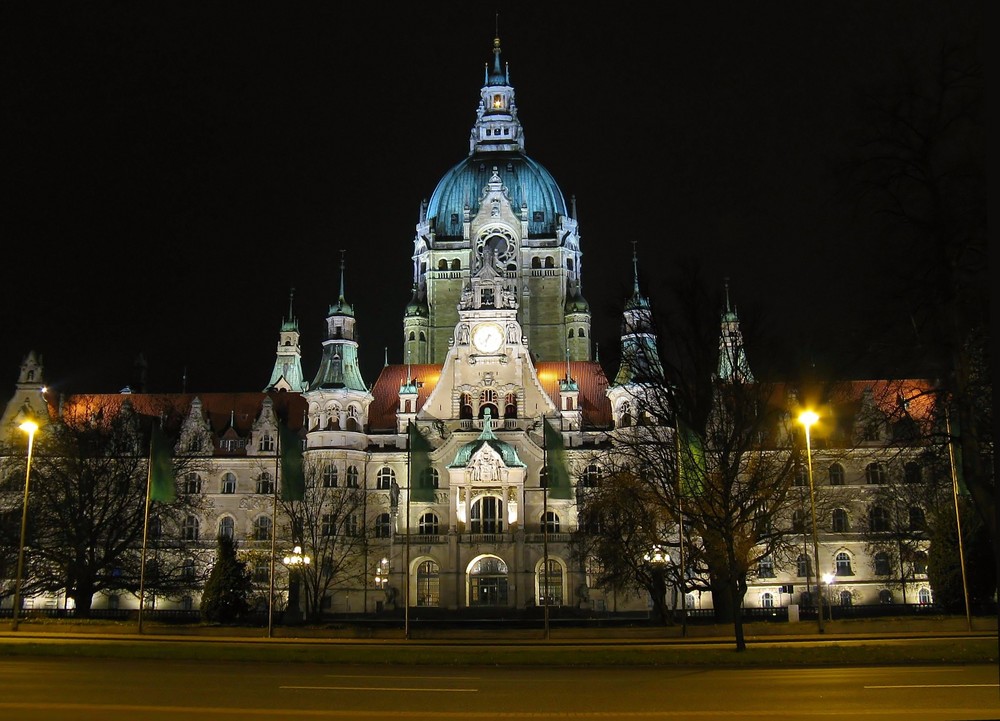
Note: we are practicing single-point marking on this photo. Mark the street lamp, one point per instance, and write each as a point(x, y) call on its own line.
point(29, 427)
point(828, 580)
point(807, 419)
point(382, 573)
point(659, 559)
point(294, 561)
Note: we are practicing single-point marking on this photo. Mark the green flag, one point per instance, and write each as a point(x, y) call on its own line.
point(162, 486)
point(691, 467)
point(293, 480)
point(556, 469)
point(421, 477)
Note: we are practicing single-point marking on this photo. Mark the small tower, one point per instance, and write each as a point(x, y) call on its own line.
point(640, 368)
point(733, 364)
point(287, 373)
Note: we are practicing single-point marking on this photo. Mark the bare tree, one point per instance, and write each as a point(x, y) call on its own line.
point(87, 506)
point(330, 523)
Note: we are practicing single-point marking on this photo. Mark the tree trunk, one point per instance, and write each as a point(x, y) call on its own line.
point(83, 598)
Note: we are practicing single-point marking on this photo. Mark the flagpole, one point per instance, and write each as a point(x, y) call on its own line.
point(680, 526)
point(545, 532)
point(145, 533)
point(406, 563)
point(958, 521)
point(274, 524)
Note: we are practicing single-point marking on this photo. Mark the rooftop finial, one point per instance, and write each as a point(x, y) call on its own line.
point(725, 283)
point(291, 295)
point(342, 276)
point(635, 266)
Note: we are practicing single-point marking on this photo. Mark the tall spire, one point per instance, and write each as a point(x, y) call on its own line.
point(287, 372)
point(733, 363)
point(640, 359)
point(497, 128)
point(338, 366)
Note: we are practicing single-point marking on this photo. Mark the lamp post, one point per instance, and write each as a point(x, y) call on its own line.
point(29, 427)
point(807, 419)
point(658, 559)
point(381, 580)
point(294, 561)
point(828, 580)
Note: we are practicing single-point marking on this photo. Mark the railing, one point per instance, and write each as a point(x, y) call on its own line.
point(553, 537)
point(484, 538)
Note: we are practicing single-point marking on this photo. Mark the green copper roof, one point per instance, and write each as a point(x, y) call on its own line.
point(506, 451)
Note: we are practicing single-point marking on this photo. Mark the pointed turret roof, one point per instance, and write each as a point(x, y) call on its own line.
point(733, 363)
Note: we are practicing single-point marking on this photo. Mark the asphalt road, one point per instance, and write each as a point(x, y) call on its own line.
point(42, 689)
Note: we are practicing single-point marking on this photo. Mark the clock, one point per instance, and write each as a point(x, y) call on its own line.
point(487, 337)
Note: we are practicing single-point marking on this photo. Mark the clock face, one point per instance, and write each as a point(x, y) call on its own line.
point(487, 337)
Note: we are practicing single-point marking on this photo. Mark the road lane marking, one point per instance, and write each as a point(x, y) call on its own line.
point(384, 676)
point(373, 688)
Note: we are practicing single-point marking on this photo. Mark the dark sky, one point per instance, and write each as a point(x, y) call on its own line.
point(174, 169)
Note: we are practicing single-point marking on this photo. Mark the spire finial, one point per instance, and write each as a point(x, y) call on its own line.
point(387, 356)
point(725, 283)
point(568, 377)
point(635, 266)
point(409, 371)
point(342, 252)
point(291, 295)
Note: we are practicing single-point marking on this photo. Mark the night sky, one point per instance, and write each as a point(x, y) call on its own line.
point(173, 170)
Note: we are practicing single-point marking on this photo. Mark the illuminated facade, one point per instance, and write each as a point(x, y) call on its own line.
point(497, 338)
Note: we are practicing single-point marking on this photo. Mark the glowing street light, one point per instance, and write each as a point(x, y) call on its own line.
point(808, 419)
point(294, 561)
point(29, 427)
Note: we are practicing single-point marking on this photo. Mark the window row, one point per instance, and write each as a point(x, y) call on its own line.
point(914, 562)
point(875, 474)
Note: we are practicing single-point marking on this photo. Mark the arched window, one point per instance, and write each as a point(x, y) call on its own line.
point(262, 528)
point(840, 524)
point(488, 399)
point(920, 563)
point(352, 476)
point(488, 582)
point(384, 479)
point(227, 527)
point(765, 567)
point(329, 475)
point(192, 484)
point(836, 474)
point(570, 334)
point(413, 336)
point(190, 529)
point(383, 526)
point(456, 264)
point(912, 473)
point(885, 596)
point(924, 596)
point(844, 564)
point(428, 525)
point(486, 515)
point(581, 333)
point(846, 598)
point(422, 337)
point(875, 474)
point(767, 600)
point(550, 583)
point(549, 522)
point(878, 520)
point(353, 419)
point(536, 262)
point(591, 476)
point(798, 520)
point(465, 406)
point(549, 263)
point(803, 566)
point(428, 584)
point(229, 483)
point(431, 478)
point(442, 264)
point(881, 563)
point(918, 522)
point(510, 406)
point(625, 414)
point(265, 484)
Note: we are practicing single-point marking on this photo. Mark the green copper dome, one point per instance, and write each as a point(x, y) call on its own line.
point(527, 182)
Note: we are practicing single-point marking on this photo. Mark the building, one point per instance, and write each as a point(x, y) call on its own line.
point(497, 337)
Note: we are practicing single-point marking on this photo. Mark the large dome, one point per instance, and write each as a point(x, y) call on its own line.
point(526, 181)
